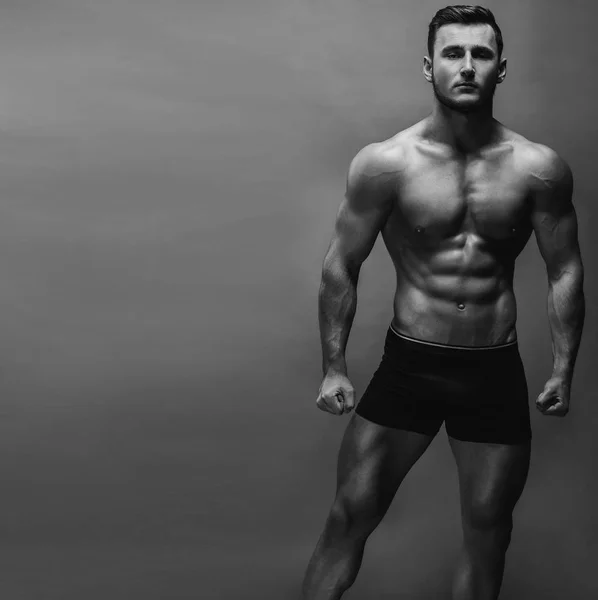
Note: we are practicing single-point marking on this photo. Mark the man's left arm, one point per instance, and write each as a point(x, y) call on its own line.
point(555, 224)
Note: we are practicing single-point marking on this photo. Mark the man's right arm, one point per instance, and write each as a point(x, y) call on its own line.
point(362, 214)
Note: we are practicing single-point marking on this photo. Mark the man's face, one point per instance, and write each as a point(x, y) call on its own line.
point(465, 54)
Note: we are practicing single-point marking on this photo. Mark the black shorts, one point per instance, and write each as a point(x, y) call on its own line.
point(479, 392)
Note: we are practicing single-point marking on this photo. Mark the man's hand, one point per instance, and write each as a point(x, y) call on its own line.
point(554, 400)
point(336, 394)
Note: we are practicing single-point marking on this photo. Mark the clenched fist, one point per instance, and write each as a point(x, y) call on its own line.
point(554, 399)
point(336, 394)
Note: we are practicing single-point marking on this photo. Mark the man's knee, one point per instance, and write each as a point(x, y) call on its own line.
point(486, 517)
point(355, 515)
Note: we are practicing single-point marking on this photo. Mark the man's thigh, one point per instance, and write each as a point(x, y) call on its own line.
point(373, 459)
point(491, 477)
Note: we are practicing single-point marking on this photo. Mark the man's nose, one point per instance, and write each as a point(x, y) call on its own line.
point(467, 67)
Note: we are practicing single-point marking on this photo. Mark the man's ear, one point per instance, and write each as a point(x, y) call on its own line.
point(502, 70)
point(427, 69)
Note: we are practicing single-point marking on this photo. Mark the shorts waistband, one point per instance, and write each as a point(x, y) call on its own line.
point(449, 347)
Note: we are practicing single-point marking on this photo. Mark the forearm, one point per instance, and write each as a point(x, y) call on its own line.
point(566, 314)
point(337, 304)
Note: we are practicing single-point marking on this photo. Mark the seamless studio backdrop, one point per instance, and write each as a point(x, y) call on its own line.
point(169, 174)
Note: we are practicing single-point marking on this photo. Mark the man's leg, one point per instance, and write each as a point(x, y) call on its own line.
point(491, 479)
point(372, 462)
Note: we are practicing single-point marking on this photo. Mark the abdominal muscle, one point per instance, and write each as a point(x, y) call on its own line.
point(454, 296)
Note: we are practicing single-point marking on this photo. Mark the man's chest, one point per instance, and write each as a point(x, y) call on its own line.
point(443, 198)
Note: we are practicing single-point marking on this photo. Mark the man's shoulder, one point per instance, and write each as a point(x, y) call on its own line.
point(387, 157)
point(378, 158)
point(541, 163)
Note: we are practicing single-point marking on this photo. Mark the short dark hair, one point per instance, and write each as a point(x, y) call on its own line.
point(463, 13)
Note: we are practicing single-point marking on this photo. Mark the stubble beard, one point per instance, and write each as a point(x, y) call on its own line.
point(484, 101)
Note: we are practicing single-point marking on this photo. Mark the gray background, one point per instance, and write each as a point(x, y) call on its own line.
point(169, 176)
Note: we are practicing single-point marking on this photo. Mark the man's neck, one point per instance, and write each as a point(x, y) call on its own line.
point(466, 133)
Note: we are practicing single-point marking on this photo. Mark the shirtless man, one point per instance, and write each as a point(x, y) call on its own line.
point(456, 197)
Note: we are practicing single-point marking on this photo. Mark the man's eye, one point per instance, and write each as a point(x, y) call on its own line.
point(451, 56)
